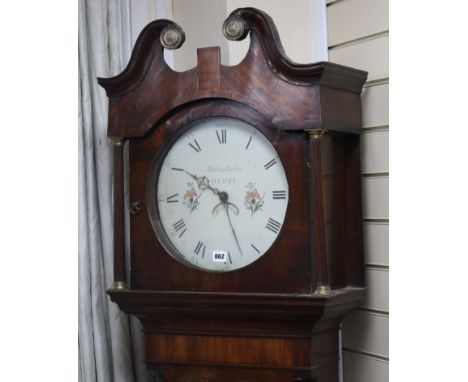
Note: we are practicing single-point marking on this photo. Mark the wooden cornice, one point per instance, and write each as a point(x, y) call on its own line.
point(237, 305)
point(148, 89)
point(323, 72)
point(147, 49)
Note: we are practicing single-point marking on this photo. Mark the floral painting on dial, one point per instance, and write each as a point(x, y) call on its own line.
point(191, 198)
point(253, 201)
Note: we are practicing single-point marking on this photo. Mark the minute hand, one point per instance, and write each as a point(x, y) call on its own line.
point(226, 208)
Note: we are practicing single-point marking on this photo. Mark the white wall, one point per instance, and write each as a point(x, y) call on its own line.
point(202, 22)
point(137, 14)
point(302, 27)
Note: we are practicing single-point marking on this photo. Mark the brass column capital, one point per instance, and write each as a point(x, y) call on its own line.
point(118, 286)
point(316, 133)
point(323, 290)
point(117, 141)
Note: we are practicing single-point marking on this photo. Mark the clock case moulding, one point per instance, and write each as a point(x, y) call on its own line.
point(278, 318)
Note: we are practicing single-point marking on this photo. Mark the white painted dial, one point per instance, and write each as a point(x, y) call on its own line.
point(222, 195)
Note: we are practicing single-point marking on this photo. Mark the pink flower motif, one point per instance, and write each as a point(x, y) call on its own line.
point(253, 201)
point(252, 195)
point(191, 199)
point(190, 194)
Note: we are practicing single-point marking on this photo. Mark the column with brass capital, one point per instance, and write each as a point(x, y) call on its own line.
point(120, 277)
point(317, 235)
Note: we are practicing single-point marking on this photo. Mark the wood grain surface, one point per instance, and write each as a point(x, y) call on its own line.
point(262, 322)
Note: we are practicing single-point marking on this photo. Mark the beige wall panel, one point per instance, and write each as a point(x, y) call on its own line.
point(377, 292)
point(293, 22)
point(374, 152)
point(360, 368)
point(370, 55)
point(376, 243)
point(202, 22)
point(375, 105)
point(352, 19)
point(375, 197)
point(367, 332)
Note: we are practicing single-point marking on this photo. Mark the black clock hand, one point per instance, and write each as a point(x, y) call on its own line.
point(203, 183)
point(226, 208)
point(221, 205)
point(223, 197)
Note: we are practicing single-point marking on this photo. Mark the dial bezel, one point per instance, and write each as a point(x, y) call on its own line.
point(269, 132)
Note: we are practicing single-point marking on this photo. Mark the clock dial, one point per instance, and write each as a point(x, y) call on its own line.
point(222, 195)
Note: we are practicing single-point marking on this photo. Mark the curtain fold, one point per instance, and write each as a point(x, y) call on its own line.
point(105, 340)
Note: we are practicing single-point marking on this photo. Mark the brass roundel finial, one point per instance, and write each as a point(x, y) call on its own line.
point(172, 37)
point(235, 28)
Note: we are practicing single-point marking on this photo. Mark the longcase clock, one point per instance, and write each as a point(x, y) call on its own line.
point(246, 246)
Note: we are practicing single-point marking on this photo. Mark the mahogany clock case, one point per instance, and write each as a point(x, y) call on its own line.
point(287, 267)
point(278, 318)
point(149, 104)
point(284, 268)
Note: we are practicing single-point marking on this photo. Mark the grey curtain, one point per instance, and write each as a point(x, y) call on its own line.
point(108, 340)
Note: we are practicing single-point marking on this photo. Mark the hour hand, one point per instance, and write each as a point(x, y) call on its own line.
point(202, 182)
point(190, 174)
point(196, 178)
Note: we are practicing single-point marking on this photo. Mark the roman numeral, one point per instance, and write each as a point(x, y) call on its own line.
point(172, 199)
point(180, 226)
point(269, 164)
point(221, 137)
point(279, 194)
point(273, 225)
point(177, 169)
point(248, 143)
point(199, 247)
point(254, 247)
point(195, 146)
